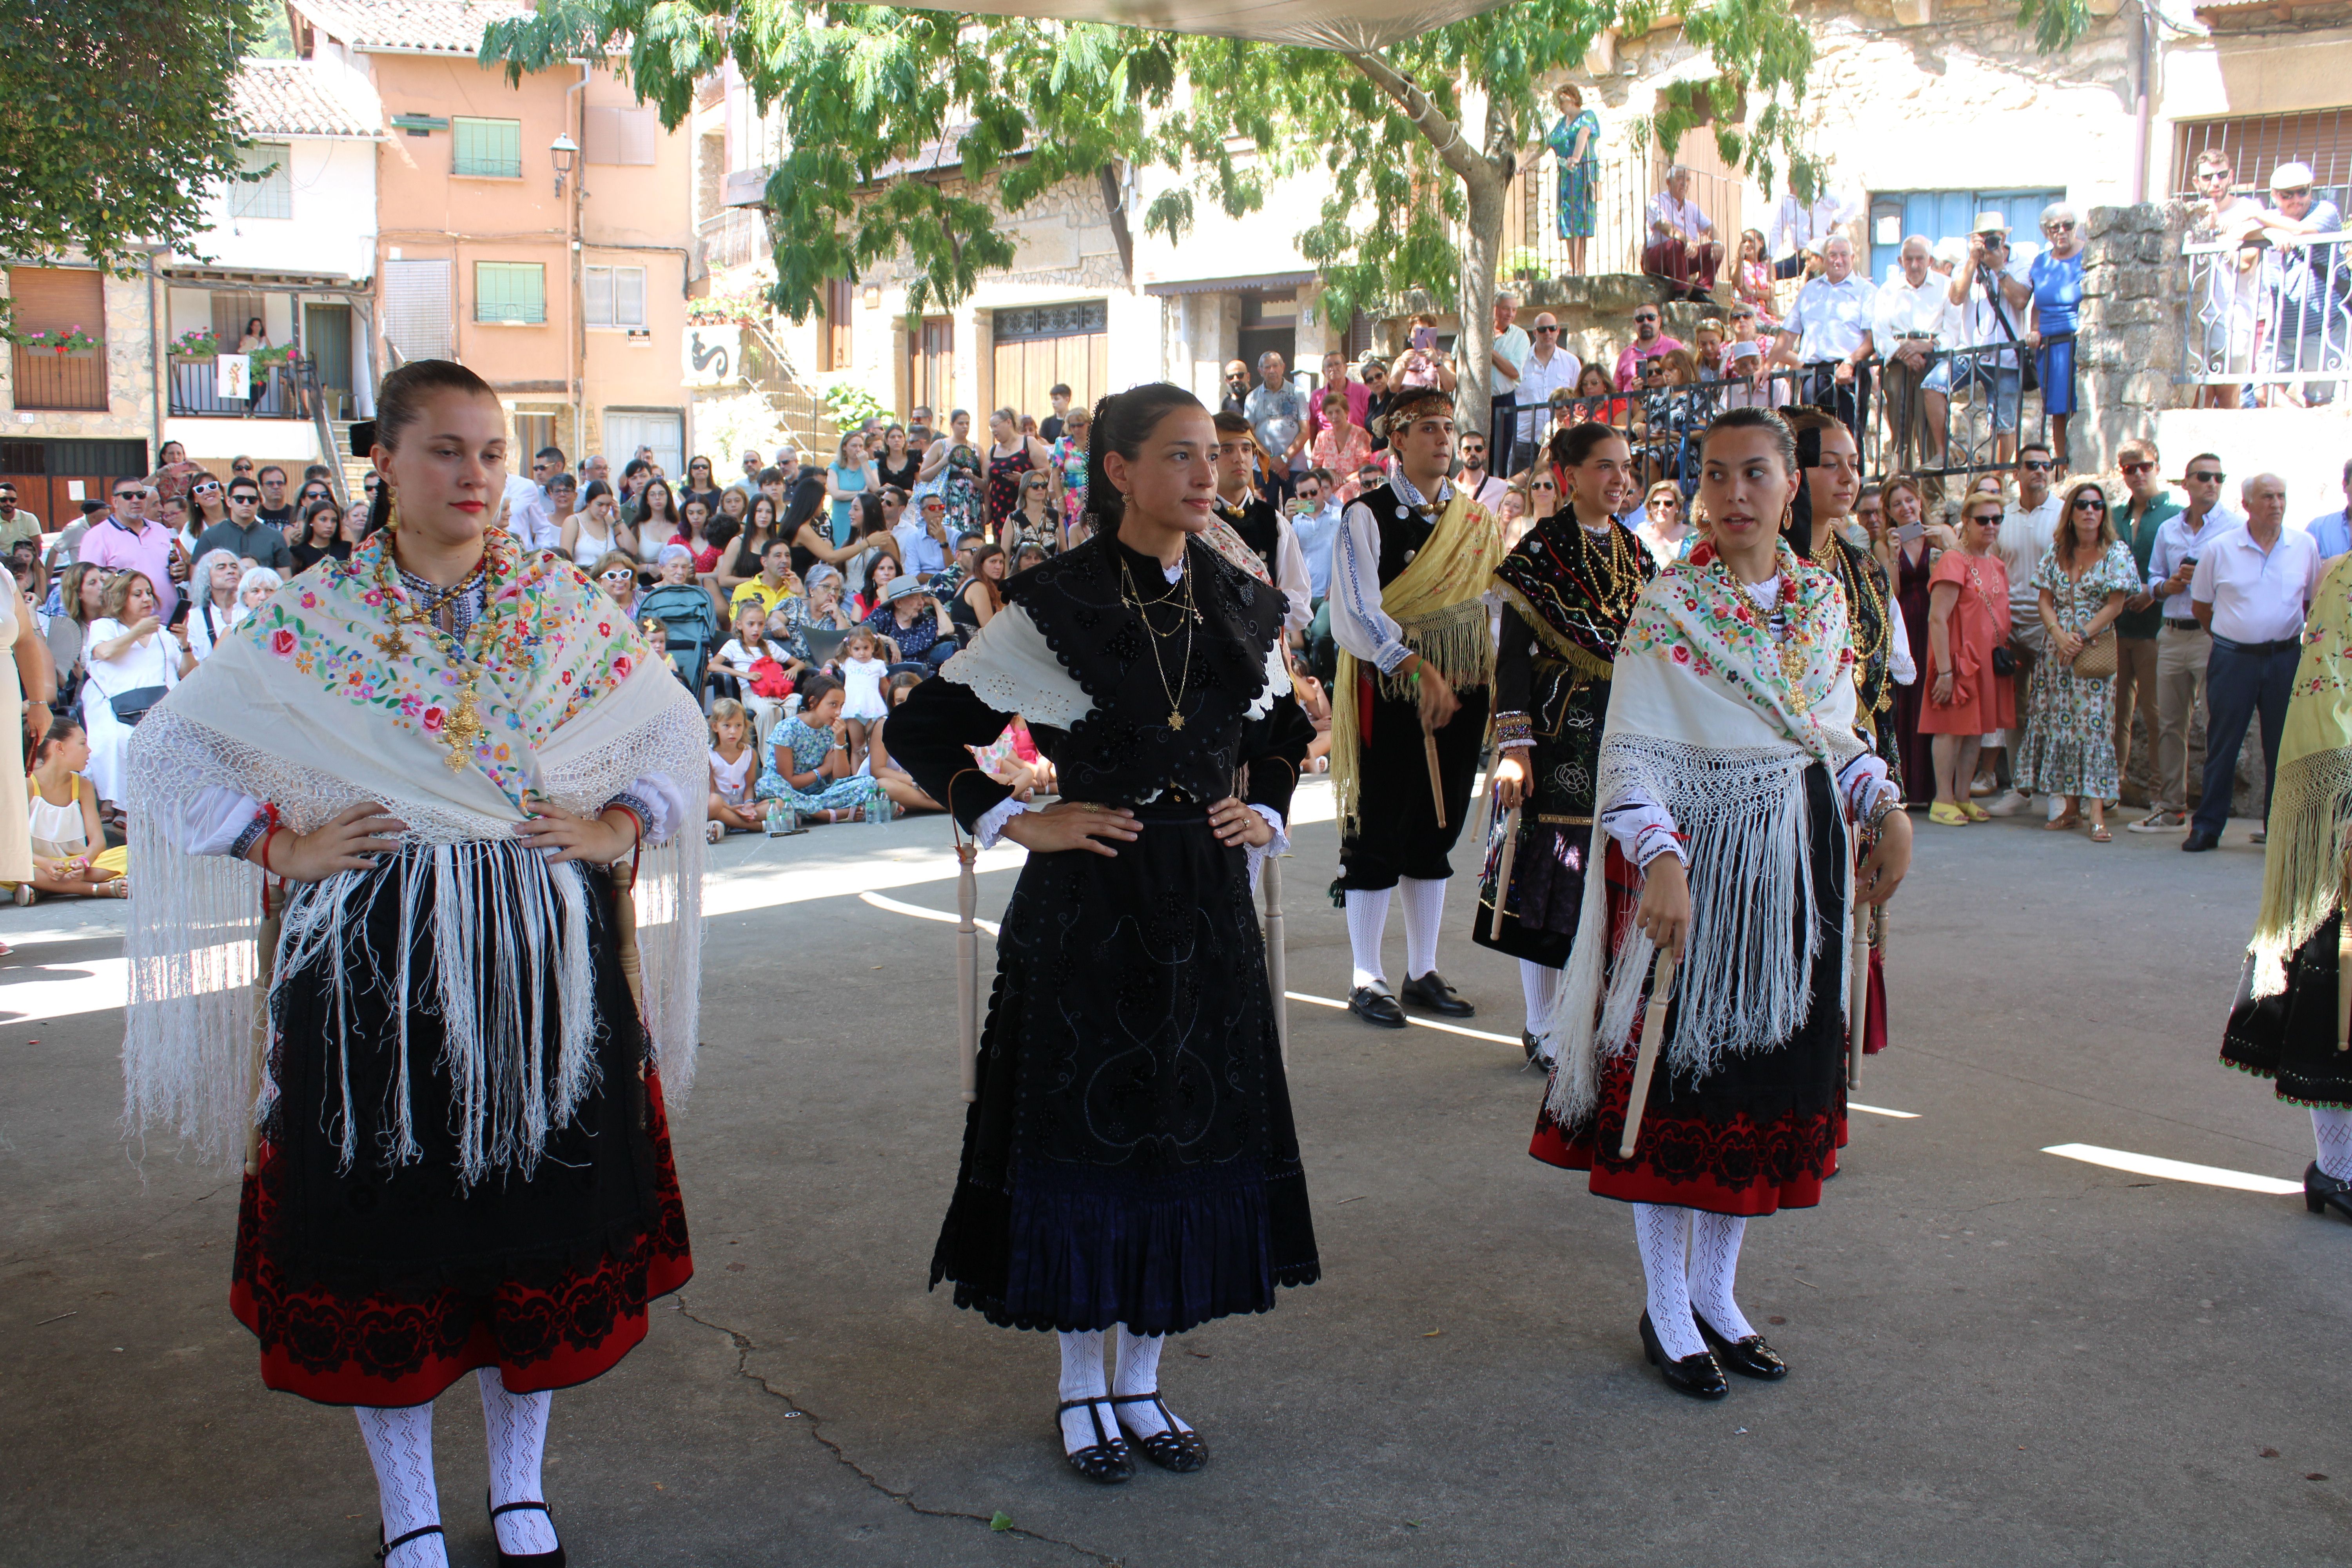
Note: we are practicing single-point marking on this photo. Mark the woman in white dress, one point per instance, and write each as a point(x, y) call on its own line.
point(212, 590)
point(133, 663)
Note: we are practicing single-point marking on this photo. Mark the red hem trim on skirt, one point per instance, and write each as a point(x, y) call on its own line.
point(393, 1350)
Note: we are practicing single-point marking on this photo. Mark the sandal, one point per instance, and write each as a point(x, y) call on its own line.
point(2065, 822)
point(1950, 815)
point(118, 888)
point(1106, 1460)
point(1170, 1448)
point(1976, 813)
point(2099, 834)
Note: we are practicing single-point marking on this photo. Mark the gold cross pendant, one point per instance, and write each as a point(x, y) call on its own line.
point(461, 728)
point(1175, 720)
point(393, 644)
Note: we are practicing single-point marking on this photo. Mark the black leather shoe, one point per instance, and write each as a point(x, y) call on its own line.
point(2322, 1192)
point(1106, 1461)
point(1696, 1375)
point(1750, 1356)
point(522, 1559)
point(1169, 1448)
point(1376, 1007)
point(2199, 839)
point(385, 1548)
point(1431, 991)
point(1529, 1044)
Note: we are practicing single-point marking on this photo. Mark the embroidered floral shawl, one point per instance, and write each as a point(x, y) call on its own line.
point(318, 701)
point(1706, 720)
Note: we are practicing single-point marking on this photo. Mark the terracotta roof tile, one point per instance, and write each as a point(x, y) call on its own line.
point(434, 26)
point(295, 98)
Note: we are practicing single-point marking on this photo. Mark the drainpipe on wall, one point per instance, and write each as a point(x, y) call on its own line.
point(577, 348)
point(157, 370)
point(2145, 110)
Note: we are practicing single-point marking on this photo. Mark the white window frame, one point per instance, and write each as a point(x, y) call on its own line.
point(604, 295)
point(272, 196)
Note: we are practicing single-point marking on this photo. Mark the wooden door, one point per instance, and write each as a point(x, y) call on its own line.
point(930, 368)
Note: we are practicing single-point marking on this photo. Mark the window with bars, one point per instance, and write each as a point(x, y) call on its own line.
point(514, 292)
point(614, 295)
point(486, 148)
point(272, 196)
point(2257, 144)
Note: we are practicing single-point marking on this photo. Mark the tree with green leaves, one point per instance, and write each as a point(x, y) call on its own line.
point(1418, 139)
point(115, 120)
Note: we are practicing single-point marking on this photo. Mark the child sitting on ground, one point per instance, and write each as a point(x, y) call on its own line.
point(808, 758)
point(66, 824)
point(731, 760)
point(862, 674)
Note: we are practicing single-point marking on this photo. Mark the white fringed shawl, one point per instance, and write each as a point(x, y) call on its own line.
point(300, 707)
point(1701, 723)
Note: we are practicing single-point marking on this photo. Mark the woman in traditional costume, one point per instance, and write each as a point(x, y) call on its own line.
point(1730, 777)
point(450, 1106)
point(2289, 1022)
point(1128, 1161)
point(1566, 589)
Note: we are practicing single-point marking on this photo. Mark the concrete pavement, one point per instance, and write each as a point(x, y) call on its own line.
point(2000, 1356)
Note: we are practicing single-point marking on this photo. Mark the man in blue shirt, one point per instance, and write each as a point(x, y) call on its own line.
point(2331, 531)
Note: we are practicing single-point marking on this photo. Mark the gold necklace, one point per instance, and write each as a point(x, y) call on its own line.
point(1132, 596)
point(462, 726)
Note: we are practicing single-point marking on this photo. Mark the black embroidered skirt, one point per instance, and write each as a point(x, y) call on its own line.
point(1131, 1157)
point(1762, 1131)
point(2290, 1038)
point(1398, 835)
point(384, 1284)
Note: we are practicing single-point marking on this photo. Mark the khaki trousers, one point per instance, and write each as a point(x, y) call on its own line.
point(2135, 692)
point(2180, 660)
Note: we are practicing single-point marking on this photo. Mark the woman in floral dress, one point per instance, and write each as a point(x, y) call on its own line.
point(2069, 729)
point(1575, 141)
point(808, 758)
point(953, 463)
point(1070, 459)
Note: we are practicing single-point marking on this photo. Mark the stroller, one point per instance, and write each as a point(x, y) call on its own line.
point(686, 613)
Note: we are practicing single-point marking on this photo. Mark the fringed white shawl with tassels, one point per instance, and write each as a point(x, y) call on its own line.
point(302, 707)
point(1702, 722)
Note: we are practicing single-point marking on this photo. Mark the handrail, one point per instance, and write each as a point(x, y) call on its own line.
point(2268, 313)
point(304, 368)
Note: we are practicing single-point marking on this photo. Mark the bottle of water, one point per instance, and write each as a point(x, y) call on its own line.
point(879, 808)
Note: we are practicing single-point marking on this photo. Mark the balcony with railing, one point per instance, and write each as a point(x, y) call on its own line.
point(41, 378)
point(2270, 312)
point(1534, 250)
point(735, 237)
point(195, 392)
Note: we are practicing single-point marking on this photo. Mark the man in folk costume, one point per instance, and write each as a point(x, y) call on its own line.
point(1821, 530)
point(1731, 784)
point(442, 1054)
point(1567, 588)
point(2289, 1022)
point(1412, 566)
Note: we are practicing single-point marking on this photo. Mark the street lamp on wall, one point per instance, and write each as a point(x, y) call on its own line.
point(561, 152)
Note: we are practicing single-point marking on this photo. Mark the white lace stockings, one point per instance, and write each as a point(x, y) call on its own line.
point(2332, 1131)
point(1536, 984)
point(1424, 911)
point(400, 1446)
point(1368, 918)
point(1714, 1261)
point(516, 1427)
point(1082, 1378)
point(1138, 1373)
point(1663, 1233)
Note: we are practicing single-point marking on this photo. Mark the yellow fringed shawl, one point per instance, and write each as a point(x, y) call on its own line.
point(2305, 864)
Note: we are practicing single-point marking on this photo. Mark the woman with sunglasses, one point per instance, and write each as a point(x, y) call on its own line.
point(1034, 521)
point(2057, 277)
point(1664, 531)
point(207, 505)
point(656, 521)
point(596, 530)
point(700, 486)
point(616, 573)
point(2069, 748)
point(1568, 586)
point(1967, 623)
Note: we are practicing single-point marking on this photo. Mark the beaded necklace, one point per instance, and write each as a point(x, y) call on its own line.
point(467, 651)
point(1856, 581)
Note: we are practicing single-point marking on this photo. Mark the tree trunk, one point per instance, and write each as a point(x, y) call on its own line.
point(1481, 239)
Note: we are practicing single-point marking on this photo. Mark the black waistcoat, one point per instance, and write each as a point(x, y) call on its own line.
point(1403, 528)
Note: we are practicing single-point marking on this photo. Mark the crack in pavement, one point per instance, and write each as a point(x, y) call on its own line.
point(744, 1347)
point(18, 1259)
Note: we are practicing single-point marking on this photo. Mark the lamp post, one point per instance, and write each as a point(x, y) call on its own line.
point(561, 152)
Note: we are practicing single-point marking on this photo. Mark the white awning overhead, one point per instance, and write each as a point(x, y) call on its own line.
point(1349, 25)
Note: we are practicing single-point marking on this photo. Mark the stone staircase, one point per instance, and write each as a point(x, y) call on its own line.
point(354, 470)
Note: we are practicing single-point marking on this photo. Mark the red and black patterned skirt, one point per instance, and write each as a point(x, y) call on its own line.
point(1761, 1131)
point(370, 1283)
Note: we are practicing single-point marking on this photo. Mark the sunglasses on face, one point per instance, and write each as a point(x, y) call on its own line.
point(2208, 477)
point(126, 495)
point(1645, 316)
point(240, 468)
point(206, 490)
point(1547, 329)
point(1546, 486)
point(2297, 191)
point(617, 574)
point(2033, 467)
point(2089, 504)
point(2139, 467)
point(2068, 224)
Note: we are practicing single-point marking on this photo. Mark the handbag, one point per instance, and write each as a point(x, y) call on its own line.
point(131, 706)
point(2096, 661)
point(2003, 662)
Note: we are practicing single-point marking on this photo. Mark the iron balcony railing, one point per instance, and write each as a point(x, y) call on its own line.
point(195, 392)
point(2269, 309)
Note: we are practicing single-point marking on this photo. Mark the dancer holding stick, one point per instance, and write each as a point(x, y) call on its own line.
point(1567, 588)
point(1730, 780)
point(1411, 568)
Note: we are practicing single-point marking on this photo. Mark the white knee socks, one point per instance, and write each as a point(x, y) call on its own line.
point(1663, 1233)
point(1425, 909)
point(1082, 1378)
point(2332, 1131)
point(1138, 1373)
point(1367, 917)
point(516, 1427)
point(1714, 1260)
point(400, 1446)
point(1536, 984)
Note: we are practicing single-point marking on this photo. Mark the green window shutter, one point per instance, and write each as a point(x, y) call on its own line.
point(490, 149)
point(513, 291)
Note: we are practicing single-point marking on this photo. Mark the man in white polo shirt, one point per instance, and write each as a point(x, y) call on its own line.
point(1829, 331)
point(1913, 320)
point(2027, 530)
point(2251, 589)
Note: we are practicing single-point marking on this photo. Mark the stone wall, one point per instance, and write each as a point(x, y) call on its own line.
point(2128, 342)
point(131, 376)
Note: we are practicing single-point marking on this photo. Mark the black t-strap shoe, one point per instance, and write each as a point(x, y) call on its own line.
point(522, 1559)
point(1173, 1447)
point(1106, 1460)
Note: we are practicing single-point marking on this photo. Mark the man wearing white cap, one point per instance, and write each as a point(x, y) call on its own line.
point(1990, 294)
point(2307, 332)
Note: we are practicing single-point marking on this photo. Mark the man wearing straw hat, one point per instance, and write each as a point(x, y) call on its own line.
point(1411, 567)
